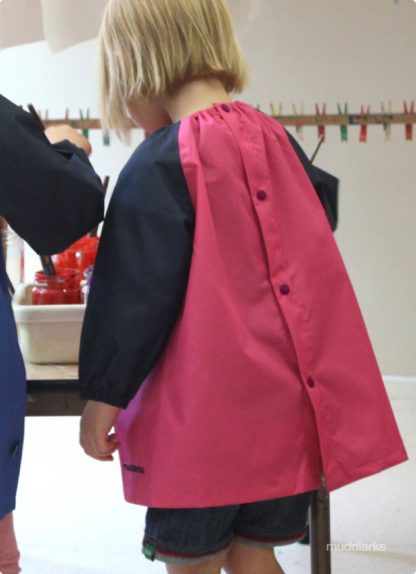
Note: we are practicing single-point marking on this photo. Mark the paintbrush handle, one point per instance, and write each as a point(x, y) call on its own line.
point(35, 114)
point(315, 153)
point(47, 265)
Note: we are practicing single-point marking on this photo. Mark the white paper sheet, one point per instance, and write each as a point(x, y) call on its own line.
point(68, 22)
point(20, 22)
point(61, 22)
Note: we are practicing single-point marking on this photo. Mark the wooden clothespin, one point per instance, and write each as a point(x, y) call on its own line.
point(321, 127)
point(363, 128)
point(299, 126)
point(276, 112)
point(409, 126)
point(387, 124)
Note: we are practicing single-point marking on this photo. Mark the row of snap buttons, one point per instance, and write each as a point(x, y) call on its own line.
point(284, 289)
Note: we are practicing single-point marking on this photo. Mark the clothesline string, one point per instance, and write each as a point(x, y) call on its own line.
point(287, 120)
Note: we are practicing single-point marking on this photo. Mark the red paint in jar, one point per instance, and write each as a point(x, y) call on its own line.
point(60, 289)
point(79, 255)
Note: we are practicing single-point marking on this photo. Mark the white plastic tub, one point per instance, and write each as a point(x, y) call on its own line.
point(47, 333)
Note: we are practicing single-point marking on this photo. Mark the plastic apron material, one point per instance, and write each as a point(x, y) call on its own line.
point(269, 379)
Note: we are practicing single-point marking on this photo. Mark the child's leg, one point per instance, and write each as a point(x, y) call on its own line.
point(9, 554)
point(210, 567)
point(242, 559)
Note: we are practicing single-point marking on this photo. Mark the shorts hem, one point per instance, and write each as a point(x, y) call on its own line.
point(173, 557)
point(261, 541)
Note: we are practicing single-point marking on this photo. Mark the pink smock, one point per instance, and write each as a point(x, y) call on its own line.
point(269, 379)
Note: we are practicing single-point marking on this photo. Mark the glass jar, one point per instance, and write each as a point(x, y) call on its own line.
point(60, 289)
point(14, 253)
point(86, 283)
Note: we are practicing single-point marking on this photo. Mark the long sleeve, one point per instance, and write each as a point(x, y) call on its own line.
point(325, 184)
point(50, 195)
point(140, 276)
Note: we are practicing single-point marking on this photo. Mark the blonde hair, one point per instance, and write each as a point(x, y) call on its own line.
point(147, 48)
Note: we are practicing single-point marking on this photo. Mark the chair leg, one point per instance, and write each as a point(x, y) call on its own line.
point(320, 532)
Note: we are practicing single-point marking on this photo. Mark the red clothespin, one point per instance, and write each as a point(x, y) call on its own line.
point(409, 127)
point(363, 128)
point(321, 128)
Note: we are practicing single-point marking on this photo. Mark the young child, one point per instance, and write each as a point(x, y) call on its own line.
point(222, 335)
point(51, 197)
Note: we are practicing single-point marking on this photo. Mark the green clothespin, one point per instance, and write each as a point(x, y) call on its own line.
point(343, 127)
point(85, 131)
point(106, 138)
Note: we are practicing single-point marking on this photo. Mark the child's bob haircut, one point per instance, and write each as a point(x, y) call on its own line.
point(147, 48)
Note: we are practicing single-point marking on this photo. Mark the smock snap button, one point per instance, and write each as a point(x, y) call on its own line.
point(284, 289)
point(225, 107)
point(261, 195)
point(310, 381)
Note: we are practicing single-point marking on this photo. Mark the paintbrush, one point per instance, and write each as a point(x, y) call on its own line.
point(318, 147)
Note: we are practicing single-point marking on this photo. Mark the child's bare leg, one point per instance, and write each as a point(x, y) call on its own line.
point(9, 554)
point(209, 567)
point(243, 559)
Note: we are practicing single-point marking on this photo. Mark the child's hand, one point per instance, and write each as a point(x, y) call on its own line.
point(96, 423)
point(56, 134)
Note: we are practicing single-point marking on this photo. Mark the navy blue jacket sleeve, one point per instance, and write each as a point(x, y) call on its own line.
point(141, 273)
point(325, 184)
point(50, 195)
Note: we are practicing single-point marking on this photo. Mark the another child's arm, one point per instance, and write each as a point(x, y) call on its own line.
point(50, 195)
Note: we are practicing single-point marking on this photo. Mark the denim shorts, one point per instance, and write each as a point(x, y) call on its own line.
point(192, 535)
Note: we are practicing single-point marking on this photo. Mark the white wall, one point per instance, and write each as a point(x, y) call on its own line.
point(325, 50)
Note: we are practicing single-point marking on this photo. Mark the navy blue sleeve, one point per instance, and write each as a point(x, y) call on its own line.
point(141, 272)
point(325, 184)
point(50, 195)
